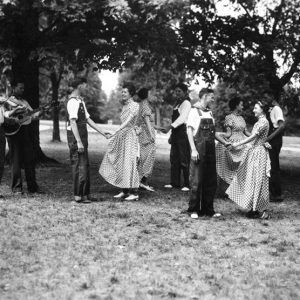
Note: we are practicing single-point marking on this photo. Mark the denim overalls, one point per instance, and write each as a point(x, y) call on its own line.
point(203, 177)
point(79, 161)
point(180, 153)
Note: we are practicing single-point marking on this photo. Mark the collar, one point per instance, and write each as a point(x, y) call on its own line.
point(198, 105)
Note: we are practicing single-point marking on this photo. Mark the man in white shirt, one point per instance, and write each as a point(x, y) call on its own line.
point(77, 136)
point(277, 124)
point(180, 149)
point(203, 175)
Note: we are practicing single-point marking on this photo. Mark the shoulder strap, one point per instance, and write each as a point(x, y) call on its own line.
point(199, 111)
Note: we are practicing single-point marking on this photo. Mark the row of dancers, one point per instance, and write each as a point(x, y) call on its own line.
point(247, 162)
point(241, 158)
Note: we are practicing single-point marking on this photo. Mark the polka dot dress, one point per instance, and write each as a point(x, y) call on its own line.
point(147, 147)
point(228, 160)
point(250, 185)
point(119, 166)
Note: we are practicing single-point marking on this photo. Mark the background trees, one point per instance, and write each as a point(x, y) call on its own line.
point(253, 50)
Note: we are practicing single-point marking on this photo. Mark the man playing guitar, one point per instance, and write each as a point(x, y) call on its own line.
point(5, 118)
point(21, 148)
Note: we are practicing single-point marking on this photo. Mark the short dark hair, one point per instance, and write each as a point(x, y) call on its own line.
point(182, 86)
point(205, 91)
point(143, 93)
point(234, 102)
point(264, 106)
point(76, 81)
point(130, 87)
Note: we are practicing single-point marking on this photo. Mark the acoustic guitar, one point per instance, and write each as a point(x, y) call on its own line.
point(24, 117)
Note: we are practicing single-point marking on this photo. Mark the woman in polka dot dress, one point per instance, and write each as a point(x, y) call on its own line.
point(120, 163)
point(229, 159)
point(250, 185)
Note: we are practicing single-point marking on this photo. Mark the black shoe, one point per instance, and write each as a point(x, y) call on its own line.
point(253, 214)
point(1, 197)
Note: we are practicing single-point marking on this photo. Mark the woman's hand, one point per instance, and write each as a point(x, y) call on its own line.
point(267, 145)
point(195, 155)
point(235, 145)
point(152, 137)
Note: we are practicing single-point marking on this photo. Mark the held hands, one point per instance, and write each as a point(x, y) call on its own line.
point(195, 155)
point(108, 135)
point(267, 145)
point(235, 145)
point(152, 138)
point(166, 129)
point(227, 145)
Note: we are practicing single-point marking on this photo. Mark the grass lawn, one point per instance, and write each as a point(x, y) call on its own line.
point(52, 248)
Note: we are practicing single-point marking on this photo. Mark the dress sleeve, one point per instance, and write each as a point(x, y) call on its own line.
point(259, 127)
point(146, 111)
point(228, 121)
point(134, 109)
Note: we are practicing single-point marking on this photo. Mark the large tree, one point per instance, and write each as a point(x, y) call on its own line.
point(219, 42)
point(38, 31)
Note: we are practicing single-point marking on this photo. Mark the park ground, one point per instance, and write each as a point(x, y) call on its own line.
point(53, 248)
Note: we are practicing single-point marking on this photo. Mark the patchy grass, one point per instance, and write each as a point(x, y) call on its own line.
point(52, 248)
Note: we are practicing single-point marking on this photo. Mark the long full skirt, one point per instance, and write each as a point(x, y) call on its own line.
point(250, 185)
point(119, 166)
point(147, 159)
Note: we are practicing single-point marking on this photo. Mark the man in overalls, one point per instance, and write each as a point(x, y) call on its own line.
point(203, 176)
point(276, 121)
point(180, 149)
point(77, 136)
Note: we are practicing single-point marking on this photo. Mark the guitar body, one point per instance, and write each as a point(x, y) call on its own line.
point(10, 129)
point(23, 118)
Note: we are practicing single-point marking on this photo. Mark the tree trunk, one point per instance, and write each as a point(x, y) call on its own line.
point(25, 68)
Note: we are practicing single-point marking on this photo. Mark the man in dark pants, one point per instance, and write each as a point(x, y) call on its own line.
point(203, 176)
point(77, 136)
point(180, 149)
point(276, 121)
point(21, 149)
point(5, 117)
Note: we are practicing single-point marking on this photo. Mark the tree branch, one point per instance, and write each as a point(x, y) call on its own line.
point(277, 16)
point(287, 77)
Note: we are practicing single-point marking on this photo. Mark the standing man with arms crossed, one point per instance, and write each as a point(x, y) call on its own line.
point(180, 149)
point(277, 124)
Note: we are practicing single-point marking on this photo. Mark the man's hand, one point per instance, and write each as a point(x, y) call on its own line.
point(108, 135)
point(227, 145)
point(80, 147)
point(195, 155)
point(166, 129)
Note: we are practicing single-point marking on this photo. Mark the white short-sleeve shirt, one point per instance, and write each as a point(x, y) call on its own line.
point(73, 106)
point(194, 118)
point(276, 115)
